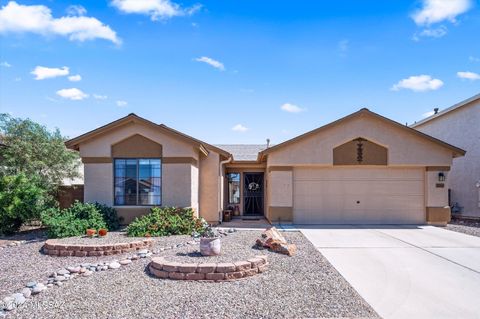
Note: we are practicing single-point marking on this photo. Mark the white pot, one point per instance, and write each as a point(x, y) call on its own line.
point(210, 246)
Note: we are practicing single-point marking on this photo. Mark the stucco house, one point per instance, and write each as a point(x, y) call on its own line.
point(361, 169)
point(460, 125)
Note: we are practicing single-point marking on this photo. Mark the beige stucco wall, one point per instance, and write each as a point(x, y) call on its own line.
point(194, 188)
point(210, 187)
point(404, 148)
point(280, 190)
point(461, 128)
point(98, 183)
point(436, 196)
point(177, 185)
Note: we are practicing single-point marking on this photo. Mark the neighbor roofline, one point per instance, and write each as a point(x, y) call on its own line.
point(456, 150)
point(447, 110)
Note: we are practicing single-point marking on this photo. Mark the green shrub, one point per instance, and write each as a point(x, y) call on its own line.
point(165, 221)
point(109, 216)
point(73, 221)
point(21, 200)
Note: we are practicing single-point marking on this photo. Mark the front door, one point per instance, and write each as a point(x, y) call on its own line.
point(253, 194)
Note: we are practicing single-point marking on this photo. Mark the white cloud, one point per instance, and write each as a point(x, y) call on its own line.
point(99, 97)
point(76, 10)
point(418, 83)
point(38, 19)
point(216, 64)
point(239, 128)
point(72, 94)
point(468, 75)
point(473, 59)
point(291, 108)
point(121, 103)
point(75, 78)
point(434, 11)
point(5, 64)
point(432, 32)
point(156, 9)
point(42, 72)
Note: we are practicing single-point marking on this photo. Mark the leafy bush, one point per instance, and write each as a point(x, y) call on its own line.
point(21, 200)
point(72, 221)
point(165, 221)
point(109, 216)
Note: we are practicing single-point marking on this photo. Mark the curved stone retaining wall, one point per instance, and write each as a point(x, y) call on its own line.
point(56, 248)
point(161, 268)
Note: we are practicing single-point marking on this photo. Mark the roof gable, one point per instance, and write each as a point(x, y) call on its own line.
point(455, 150)
point(454, 107)
point(133, 118)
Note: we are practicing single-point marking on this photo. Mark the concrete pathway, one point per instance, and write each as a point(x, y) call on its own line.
point(406, 271)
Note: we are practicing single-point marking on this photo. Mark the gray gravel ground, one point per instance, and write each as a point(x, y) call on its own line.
point(20, 264)
point(303, 286)
point(466, 227)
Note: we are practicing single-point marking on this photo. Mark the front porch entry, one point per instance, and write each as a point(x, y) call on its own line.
point(253, 194)
point(245, 192)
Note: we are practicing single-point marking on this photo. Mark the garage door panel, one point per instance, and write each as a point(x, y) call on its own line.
point(359, 195)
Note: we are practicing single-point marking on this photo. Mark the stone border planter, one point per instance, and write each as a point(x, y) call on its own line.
point(161, 268)
point(53, 247)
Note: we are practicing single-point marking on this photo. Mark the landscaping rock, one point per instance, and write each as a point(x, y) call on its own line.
point(38, 289)
point(74, 270)
point(9, 303)
point(272, 239)
point(27, 292)
point(19, 299)
point(125, 262)
point(63, 271)
point(87, 273)
point(114, 265)
point(31, 284)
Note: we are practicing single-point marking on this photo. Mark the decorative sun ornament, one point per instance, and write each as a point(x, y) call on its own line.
point(253, 187)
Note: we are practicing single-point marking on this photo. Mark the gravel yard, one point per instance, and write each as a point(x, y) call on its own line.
point(465, 226)
point(305, 285)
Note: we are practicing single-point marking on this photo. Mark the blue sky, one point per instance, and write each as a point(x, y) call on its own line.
point(234, 71)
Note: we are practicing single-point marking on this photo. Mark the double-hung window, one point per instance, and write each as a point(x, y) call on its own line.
point(138, 181)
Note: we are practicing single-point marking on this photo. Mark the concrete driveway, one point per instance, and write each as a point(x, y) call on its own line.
point(406, 271)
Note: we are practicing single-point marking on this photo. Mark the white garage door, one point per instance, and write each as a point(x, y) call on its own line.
point(359, 196)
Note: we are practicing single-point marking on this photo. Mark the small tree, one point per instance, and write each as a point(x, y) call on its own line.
point(21, 200)
point(33, 150)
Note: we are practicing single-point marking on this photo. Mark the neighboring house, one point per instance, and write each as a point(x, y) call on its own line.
point(460, 126)
point(71, 189)
point(361, 169)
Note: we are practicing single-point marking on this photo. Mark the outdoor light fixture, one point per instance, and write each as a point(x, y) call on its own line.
point(441, 177)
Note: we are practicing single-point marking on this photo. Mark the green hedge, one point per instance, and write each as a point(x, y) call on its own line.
point(165, 221)
point(73, 221)
point(21, 200)
point(110, 216)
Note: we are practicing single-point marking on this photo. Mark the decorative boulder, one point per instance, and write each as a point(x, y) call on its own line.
point(274, 240)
